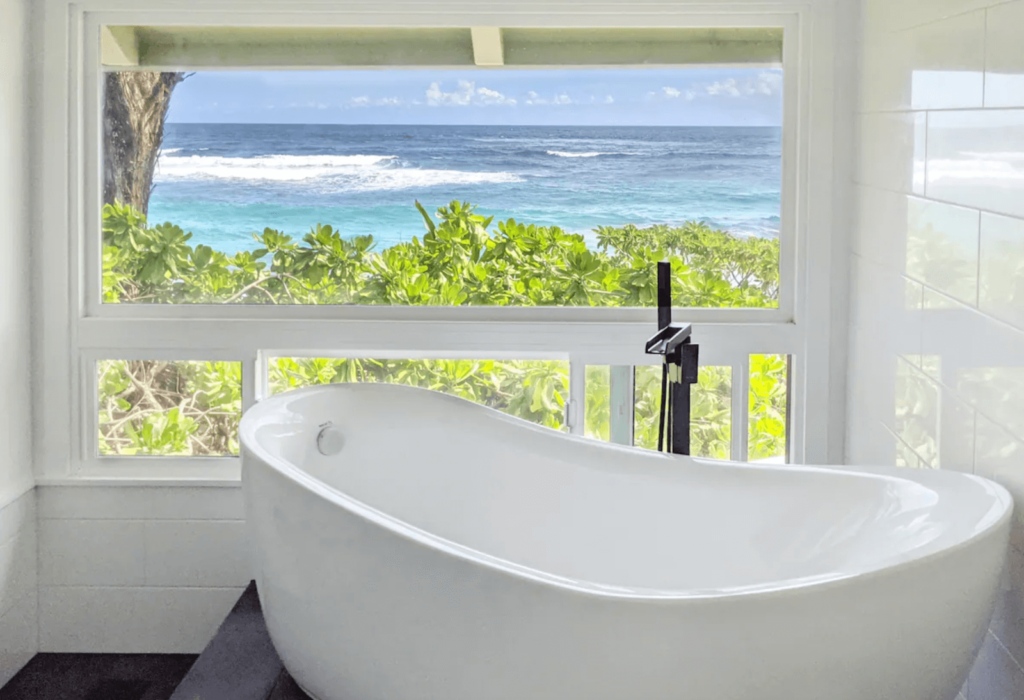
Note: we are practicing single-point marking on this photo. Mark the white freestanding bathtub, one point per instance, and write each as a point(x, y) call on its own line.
point(449, 552)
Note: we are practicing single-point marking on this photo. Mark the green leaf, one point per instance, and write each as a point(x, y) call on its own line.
point(426, 217)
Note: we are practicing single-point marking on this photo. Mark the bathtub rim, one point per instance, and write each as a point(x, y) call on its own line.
point(251, 422)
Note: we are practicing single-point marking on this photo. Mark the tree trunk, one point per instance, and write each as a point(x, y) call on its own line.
point(135, 106)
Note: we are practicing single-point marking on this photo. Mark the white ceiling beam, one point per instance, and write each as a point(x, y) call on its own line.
point(119, 46)
point(487, 46)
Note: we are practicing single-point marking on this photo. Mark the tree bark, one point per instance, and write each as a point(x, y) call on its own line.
point(134, 110)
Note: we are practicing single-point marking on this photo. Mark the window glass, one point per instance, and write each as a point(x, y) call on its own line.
point(768, 416)
point(153, 407)
point(710, 411)
point(597, 419)
point(442, 187)
point(534, 390)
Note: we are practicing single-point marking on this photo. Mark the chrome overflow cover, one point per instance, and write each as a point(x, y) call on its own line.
point(329, 441)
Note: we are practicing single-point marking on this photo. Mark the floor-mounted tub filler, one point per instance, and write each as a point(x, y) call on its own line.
point(414, 546)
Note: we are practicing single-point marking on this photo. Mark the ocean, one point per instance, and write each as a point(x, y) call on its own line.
point(223, 182)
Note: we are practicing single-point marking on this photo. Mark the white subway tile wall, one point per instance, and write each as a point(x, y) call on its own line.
point(18, 638)
point(936, 348)
point(129, 569)
point(18, 631)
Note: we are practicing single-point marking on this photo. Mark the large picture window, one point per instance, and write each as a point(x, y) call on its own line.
point(493, 187)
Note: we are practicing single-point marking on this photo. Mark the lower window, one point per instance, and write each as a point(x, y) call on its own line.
point(192, 408)
point(534, 390)
point(156, 407)
point(623, 405)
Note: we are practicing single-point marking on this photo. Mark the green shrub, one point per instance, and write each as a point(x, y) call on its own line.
point(461, 260)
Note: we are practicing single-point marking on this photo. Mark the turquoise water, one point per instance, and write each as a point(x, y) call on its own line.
point(222, 182)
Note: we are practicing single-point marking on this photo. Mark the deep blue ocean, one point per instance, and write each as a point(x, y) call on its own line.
point(222, 182)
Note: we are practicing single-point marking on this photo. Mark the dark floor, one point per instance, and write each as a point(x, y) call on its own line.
point(239, 663)
point(99, 677)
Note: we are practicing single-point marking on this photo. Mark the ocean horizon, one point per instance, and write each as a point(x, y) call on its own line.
point(223, 182)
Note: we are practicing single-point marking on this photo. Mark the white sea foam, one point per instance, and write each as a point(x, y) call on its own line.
point(412, 178)
point(279, 168)
point(566, 154)
point(591, 154)
point(358, 173)
point(165, 151)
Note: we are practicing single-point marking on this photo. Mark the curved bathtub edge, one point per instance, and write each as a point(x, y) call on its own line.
point(247, 435)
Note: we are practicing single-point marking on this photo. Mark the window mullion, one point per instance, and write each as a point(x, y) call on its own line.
point(621, 404)
point(575, 408)
point(740, 410)
point(253, 371)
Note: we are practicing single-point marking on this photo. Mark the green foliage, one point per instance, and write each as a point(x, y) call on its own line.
point(534, 390)
point(169, 408)
point(462, 259)
point(710, 411)
point(766, 435)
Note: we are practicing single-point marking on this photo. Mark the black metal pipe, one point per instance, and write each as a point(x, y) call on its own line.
point(661, 413)
point(679, 410)
point(664, 294)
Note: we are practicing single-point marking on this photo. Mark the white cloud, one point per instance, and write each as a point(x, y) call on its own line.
point(609, 99)
point(365, 101)
point(312, 104)
point(765, 84)
point(493, 97)
point(723, 87)
point(462, 96)
point(466, 94)
point(769, 83)
point(532, 98)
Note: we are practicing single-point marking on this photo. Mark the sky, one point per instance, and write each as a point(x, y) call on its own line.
point(573, 97)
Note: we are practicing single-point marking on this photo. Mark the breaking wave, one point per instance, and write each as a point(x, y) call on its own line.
point(358, 173)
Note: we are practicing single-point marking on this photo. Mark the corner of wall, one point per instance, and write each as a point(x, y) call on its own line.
point(847, 18)
point(19, 596)
point(19, 628)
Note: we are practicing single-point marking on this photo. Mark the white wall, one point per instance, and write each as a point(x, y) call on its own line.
point(936, 350)
point(138, 569)
point(17, 505)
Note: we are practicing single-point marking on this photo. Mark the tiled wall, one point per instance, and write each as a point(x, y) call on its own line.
point(17, 500)
point(138, 569)
point(17, 585)
point(936, 352)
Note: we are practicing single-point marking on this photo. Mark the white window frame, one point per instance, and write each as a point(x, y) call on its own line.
point(75, 329)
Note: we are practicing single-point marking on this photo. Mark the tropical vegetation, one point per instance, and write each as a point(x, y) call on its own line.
point(463, 258)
